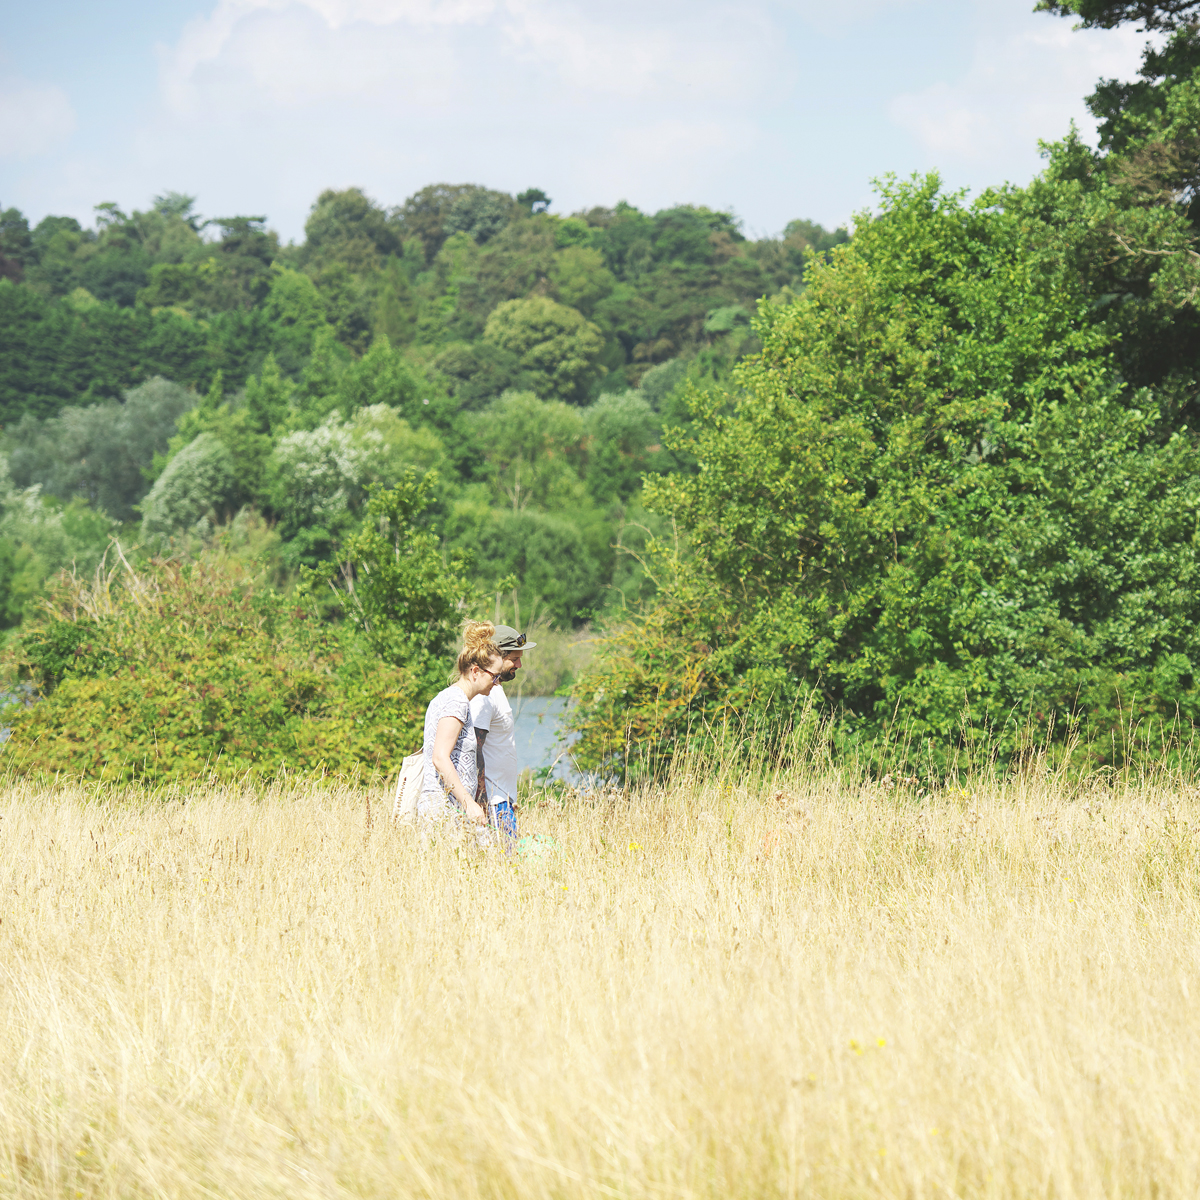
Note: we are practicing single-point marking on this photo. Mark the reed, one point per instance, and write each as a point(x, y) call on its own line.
point(721, 986)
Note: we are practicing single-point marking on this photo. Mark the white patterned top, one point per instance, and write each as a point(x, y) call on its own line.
point(450, 702)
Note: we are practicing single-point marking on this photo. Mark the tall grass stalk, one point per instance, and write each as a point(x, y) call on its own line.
point(722, 985)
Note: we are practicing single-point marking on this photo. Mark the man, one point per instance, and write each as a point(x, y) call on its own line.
point(492, 717)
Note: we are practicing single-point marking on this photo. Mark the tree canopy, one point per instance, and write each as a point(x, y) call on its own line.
point(955, 491)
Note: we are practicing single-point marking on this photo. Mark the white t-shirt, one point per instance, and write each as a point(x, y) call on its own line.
point(493, 714)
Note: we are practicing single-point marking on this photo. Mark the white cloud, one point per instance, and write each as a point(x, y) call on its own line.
point(34, 118)
point(846, 17)
point(1023, 82)
point(645, 51)
point(206, 40)
point(636, 99)
point(408, 51)
point(945, 120)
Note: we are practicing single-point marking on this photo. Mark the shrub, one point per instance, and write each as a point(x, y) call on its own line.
point(185, 672)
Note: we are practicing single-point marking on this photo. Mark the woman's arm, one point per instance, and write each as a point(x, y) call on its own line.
point(448, 729)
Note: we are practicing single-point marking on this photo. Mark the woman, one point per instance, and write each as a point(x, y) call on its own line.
point(451, 774)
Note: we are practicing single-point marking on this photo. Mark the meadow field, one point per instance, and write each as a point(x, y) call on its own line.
point(793, 987)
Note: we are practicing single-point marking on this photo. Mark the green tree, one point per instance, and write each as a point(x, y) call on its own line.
point(16, 244)
point(933, 435)
point(383, 375)
point(561, 576)
point(402, 592)
point(426, 215)
point(533, 450)
point(479, 213)
point(296, 313)
point(57, 353)
point(580, 279)
point(269, 398)
point(318, 480)
point(556, 346)
point(55, 243)
point(621, 429)
point(241, 434)
point(195, 492)
point(242, 275)
point(533, 200)
point(101, 453)
point(349, 227)
point(316, 396)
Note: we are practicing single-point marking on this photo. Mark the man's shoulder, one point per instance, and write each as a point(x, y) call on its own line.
point(482, 707)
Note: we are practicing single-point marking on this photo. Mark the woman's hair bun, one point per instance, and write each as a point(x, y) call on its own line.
point(478, 634)
point(478, 649)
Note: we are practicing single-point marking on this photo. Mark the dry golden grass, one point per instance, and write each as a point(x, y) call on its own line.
point(711, 991)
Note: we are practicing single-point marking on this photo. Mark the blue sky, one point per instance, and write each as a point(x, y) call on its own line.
point(774, 108)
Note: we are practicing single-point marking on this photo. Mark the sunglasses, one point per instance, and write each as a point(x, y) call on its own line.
point(494, 674)
point(514, 643)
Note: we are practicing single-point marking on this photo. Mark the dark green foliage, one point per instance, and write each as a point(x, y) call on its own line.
point(660, 382)
point(556, 348)
point(931, 501)
point(808, 235)
point(1107, 14)
point(296, 315)
point(348, 227)
point(382, 376)
point(117, 273)
point(54, 353)
point(402, 594)
point(476, 374)
point(654, 287)
point(435, 212)
point(533, 200)
point(1125, 109)
point(479, 214)
point(622, 429)
point(560, 571)
point(16, 244)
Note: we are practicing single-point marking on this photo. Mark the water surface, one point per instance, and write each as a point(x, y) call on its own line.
point(538, 733)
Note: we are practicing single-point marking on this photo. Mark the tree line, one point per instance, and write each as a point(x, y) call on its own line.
point(162, 373)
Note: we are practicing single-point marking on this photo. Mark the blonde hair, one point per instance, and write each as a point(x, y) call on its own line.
point(478, 648)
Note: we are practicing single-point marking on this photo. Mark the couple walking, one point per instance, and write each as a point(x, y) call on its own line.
point(463, 719)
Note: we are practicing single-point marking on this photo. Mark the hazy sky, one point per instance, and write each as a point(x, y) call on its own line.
point(774, 108)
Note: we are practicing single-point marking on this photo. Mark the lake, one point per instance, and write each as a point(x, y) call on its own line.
point(538, 722)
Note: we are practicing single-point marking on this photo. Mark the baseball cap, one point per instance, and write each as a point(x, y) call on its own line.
point(507, 638)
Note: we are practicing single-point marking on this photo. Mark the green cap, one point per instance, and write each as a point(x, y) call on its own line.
point(507, 638)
